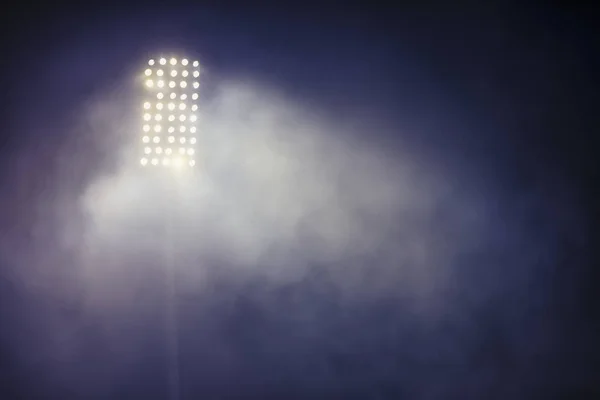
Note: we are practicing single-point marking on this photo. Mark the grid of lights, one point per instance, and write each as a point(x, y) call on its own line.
point(169, 112)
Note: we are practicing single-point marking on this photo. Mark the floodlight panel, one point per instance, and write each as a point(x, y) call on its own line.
point(168, 129)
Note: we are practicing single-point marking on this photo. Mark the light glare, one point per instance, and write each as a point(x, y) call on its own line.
point(186, 117)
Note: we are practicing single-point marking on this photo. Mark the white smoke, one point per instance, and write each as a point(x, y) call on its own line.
point(280, 192)
point(279, 189)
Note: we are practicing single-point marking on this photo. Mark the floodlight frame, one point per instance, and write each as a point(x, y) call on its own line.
point(169, 109)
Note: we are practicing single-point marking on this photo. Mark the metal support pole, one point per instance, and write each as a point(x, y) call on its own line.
point(172, 332)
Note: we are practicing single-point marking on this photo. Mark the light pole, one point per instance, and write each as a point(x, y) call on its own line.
point(168, 151)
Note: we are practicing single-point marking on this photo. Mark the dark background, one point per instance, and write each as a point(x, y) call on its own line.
point(506, 94)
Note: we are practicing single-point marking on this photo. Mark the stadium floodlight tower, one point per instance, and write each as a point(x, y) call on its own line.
point(168, 149)
point(170, 113)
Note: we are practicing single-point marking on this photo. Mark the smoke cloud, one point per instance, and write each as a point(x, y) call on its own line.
point(336, 246)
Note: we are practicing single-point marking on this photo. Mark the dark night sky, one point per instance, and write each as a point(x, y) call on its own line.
point(503, 100)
